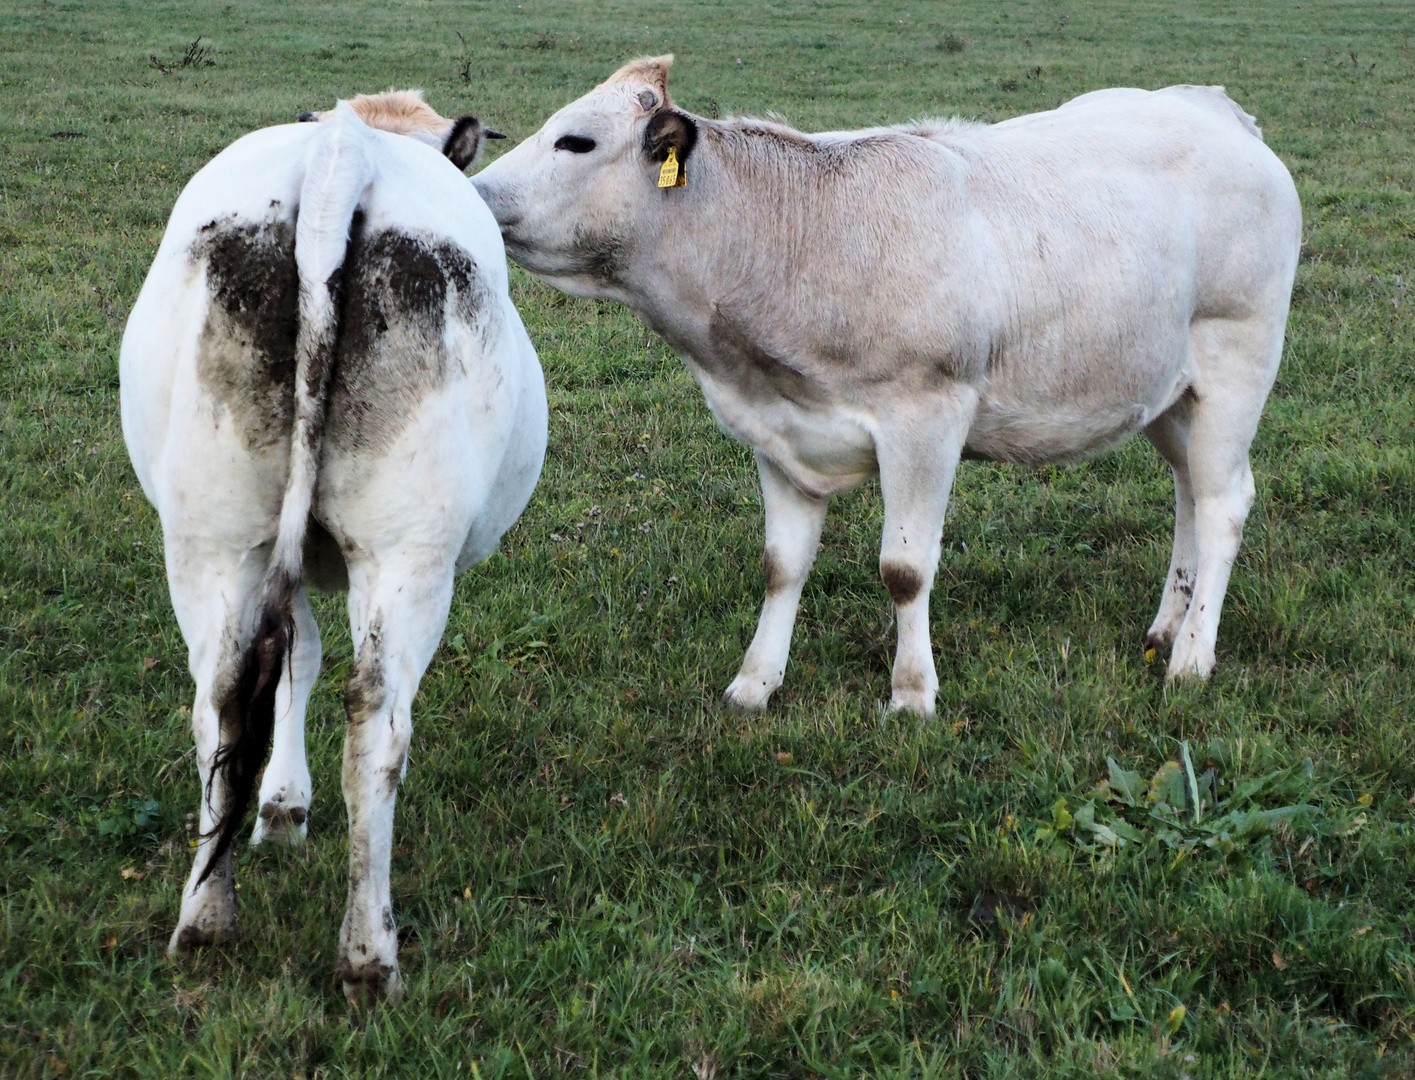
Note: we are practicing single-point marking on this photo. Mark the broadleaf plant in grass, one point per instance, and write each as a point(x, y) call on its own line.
point(1181, 812)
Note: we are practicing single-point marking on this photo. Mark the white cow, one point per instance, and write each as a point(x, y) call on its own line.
point(324, 382)
point(888, 300)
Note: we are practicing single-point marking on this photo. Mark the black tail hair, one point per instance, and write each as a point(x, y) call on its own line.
point(248, 718)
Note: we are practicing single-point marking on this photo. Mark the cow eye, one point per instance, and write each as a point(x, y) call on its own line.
point(576, 144)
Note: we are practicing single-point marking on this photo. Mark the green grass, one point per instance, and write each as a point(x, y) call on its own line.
point(600, 872)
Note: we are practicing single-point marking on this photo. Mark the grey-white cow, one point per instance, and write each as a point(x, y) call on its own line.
point(891, 299)
point(324, 381)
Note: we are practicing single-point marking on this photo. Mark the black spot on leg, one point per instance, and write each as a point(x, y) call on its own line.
point(1184, 582)
point(246, 351)
point(388, 920)
point(393, 776)
point(773, 573)
point(903, 582)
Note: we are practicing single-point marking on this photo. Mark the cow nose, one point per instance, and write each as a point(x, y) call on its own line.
point(491, 195)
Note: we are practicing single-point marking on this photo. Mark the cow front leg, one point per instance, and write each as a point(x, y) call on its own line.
point(918, 455)
point(396, 626)
point(285, 787)
point(793, 529)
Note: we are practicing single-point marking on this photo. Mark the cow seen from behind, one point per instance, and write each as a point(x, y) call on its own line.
point(324, 383)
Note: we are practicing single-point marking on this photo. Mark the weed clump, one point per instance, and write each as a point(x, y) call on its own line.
point(196, 55)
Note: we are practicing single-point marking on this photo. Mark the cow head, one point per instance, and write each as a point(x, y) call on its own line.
point(404, 112)
point(574, 198)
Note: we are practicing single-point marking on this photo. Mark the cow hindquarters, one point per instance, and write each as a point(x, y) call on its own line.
point(793, 528)
point(398, 606)
point(918, 455)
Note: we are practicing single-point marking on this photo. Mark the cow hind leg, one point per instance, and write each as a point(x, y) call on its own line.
point(397, 617)
point(793, 528)
point(1170, 435)
point(918, 456)
point(1237, 362)
point(285, 788)
point(211, 596)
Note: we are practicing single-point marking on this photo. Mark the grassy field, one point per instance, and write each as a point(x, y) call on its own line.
point(598, 870)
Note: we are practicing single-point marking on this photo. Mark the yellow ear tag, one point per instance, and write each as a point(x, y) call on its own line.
point(668, 174)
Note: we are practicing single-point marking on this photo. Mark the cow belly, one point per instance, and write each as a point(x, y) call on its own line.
point(1005, 432)
point(1030, 430)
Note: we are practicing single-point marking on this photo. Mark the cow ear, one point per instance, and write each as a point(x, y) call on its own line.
point(464, 141)
point(670, 128)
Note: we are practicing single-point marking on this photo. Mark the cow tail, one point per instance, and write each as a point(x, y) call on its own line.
point(338, 170)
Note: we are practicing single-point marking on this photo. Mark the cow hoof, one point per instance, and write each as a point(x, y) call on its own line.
point(188, 939)
point(279, 823)
point(370, 982)
point(208, 915)
point(1158, 639)
point(747, 696)
point(921, 705)
point(1189, 667)
point(913, 691)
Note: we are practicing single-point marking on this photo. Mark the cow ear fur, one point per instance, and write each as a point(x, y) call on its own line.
point(670, 128)
point(464, 141)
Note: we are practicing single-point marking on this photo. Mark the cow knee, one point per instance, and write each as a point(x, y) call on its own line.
point(903, 581)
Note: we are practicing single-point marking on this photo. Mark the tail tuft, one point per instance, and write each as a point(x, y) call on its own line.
point(248, 715)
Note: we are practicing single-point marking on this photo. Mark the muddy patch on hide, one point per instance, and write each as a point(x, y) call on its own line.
point(903, 582)
point(773, 572)
point(759, 375)
point(600, 256)
point(364, 692)
point(246, 352)
point(399, 291)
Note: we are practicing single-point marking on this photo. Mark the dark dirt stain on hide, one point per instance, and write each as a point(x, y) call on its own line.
point(398, 293)
point(599, 256)
point(773, 573)
point(903, 582)
point(246, 353)
point(736, 358)
point(364, 692)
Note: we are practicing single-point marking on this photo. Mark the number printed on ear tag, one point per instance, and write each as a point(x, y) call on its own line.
point(668, 174)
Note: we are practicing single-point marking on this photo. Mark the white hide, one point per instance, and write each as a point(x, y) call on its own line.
point(407, 494)
point(884, 301)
